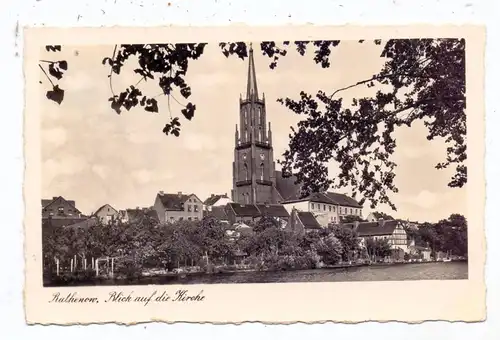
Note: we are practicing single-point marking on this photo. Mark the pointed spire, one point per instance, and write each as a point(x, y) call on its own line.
point(252, 80)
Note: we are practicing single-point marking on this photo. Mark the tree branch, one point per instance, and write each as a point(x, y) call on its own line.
point(43, 70)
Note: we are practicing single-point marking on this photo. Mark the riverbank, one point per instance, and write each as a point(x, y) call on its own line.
point(457, 270)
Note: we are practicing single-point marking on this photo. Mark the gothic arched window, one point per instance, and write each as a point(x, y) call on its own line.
point(245, 169)
point(261, 171)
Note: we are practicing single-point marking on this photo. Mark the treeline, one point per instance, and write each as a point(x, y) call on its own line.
point(205, 243)
point(448, 235)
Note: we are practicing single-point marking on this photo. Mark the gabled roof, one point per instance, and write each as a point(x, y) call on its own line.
point(244, 210)
point(273, 210)
point(104, 206)
point(47, 202)
point(216, 212)
point(343, 200)
point(213, 199)
point(367, 229)
point(174, 201)
point(308, 220)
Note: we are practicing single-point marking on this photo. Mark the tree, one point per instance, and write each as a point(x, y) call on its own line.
point(377, 247)
point(349, 241)
point(329, 248)
point(381, 215)
point(421, 79)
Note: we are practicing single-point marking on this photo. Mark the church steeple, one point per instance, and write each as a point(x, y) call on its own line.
point(254, 177)
point(252, 79)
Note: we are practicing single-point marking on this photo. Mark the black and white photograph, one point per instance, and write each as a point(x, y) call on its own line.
point(253, 162)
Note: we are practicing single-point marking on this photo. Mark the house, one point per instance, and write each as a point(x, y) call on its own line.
point(328, 207)
point(247, 213)
point(390, 230)
point(59, 207)
point(303, 222)
point(139, 215)
point(217, 212)
point(106, 214)
point(216, 201)
point(178, 207)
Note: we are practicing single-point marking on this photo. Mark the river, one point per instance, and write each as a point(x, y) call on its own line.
point(399, 272)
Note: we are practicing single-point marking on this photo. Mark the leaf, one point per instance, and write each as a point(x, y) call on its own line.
point(188, 112)
point(56, 94)
point(151, 105)
point(55, 72)
point(63, 65)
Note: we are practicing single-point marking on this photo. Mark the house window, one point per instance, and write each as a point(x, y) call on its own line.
point(181, 218)
point(330, 208)
point(333, 209)
point(195, 207)
point(345, 210)
point(189, 218)
point(60, 210)
point(261, 171)
point(351, 211)
point(324, 207)
point(312, 206)
point(196, 218)
point(334, 218)
point(245, 168)
point(189, 207)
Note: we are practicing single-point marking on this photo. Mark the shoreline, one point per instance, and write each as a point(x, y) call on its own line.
point(169, 276)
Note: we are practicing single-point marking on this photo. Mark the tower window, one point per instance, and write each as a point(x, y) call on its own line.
point(261, 171)
point(245, 168)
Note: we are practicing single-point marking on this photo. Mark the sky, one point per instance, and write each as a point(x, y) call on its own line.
point(94, 156)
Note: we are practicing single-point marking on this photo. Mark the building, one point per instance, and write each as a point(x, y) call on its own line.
point(390, 230)
point(253, 166)
point(303, 222)
point(106, 214)
point(247, 213)
point(178, 207)
point(328, 207)
point(59, 207)
point(216, 201)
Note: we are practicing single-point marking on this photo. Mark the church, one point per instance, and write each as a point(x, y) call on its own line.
point(255, 178)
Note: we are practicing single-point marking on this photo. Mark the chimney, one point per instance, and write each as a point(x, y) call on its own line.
point(179, 193)
point(54, 198)
point(161, 192)
point(137, 208)
point(212, 195)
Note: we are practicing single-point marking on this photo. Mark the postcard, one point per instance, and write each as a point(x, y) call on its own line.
point(271, 174)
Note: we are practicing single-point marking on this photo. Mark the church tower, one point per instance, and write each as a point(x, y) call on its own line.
point(254, 179)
